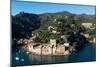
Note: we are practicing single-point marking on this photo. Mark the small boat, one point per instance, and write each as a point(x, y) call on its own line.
point(16, 58)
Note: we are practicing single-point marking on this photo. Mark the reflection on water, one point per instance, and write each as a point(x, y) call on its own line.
point(87, 54)
point(48, 59)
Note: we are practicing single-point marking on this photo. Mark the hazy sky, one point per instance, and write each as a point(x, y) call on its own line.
point(38, 8)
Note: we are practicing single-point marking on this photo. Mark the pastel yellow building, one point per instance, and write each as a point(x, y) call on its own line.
point(87, 25)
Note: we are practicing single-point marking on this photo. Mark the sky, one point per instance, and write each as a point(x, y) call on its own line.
point(39, 8)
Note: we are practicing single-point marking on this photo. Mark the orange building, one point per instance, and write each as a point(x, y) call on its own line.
point(60, 49)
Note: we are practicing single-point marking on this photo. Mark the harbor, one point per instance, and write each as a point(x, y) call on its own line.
point(87, 54)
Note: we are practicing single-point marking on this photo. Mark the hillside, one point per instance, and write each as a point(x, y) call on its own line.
point(23, 24)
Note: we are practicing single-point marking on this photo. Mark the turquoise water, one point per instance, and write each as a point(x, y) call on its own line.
point(86, 54)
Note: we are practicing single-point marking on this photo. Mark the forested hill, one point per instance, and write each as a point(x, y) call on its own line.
point(24, 23)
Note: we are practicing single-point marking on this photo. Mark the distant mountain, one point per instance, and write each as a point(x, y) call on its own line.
point(85, 18)
point(58, 13)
